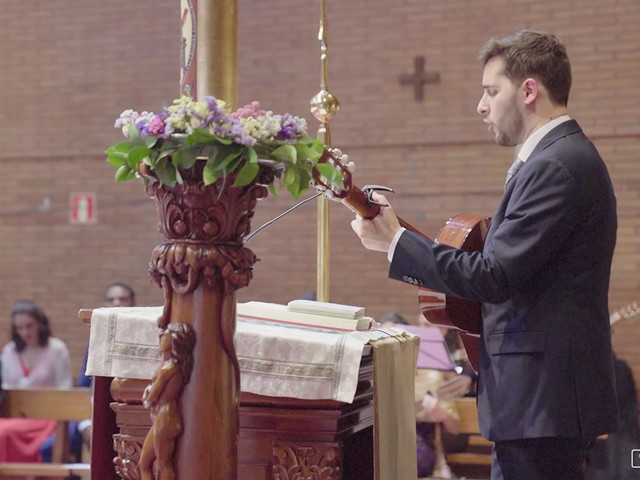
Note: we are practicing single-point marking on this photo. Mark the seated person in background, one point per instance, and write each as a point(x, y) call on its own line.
point(433, 417)
point(33, 359)
point(117, 294)
point(608, 458)
point(462, 384)
point(391, 319)
point(435, 412)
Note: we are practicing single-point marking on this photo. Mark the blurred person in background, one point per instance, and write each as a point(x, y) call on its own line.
point(117, 294)
point(32, 359)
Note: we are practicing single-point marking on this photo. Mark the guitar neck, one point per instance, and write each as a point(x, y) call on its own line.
point(352, 196)
point(359, 203)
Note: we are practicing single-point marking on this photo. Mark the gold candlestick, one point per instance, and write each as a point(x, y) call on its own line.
point(324, 107)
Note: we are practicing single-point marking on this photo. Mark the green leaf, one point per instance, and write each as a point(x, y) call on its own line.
point(137, 154)
point(295, 190)
point(290, 177)
point(122, 147)
point(117, 159)
point(246, 175)
point(251, 155)
point(162, 154)
point(311, 151)
point(209, 175)
point(199, 135)
point(302, 185)
point(228, 157)
point(305, 178)
point(185, 158)
point(150, 140)
point(285, 153)
point(328, 171)
point(223, 141)
point(305, 152)
point(134, 133)
point(124, 173)
point(234, 164)
point(166, 172)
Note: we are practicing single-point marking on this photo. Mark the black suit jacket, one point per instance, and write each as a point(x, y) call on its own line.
point(546, 364)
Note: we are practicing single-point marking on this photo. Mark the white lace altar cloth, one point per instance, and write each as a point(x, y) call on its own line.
point(275, 360)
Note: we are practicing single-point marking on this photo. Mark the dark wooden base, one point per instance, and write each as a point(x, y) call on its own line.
point(280, 438)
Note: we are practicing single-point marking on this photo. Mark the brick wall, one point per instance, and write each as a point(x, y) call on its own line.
point(69, 67)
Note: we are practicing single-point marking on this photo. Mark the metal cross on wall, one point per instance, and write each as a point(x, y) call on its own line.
point(419, 78)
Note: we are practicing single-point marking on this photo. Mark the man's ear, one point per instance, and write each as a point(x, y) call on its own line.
point(530, 89)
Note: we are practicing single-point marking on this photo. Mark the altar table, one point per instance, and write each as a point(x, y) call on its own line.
point(358, 424)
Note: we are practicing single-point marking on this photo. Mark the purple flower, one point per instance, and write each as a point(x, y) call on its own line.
point(288, 129)
point(142, 124)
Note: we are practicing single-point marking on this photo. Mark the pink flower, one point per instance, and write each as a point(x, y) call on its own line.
point(251, 110)
point(156, 126)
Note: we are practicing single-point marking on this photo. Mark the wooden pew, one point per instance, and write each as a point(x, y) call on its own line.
point(476, 459)
point(54, 404)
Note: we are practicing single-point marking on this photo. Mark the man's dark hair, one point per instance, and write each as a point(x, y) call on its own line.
point(29, 307)
point(530, 53)
point(127, 287)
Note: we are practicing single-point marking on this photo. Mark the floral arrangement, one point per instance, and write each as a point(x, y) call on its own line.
point(189, 131)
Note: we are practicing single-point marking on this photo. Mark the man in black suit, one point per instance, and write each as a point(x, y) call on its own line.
point(546, 383)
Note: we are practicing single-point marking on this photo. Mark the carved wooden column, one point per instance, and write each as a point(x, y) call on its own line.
point(199, 267)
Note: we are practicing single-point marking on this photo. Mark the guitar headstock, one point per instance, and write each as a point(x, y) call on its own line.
point(350, 195)
point(629, 312)
point(339, 160)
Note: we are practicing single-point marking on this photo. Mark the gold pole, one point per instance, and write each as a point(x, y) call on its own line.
point(324, 107)
point(217, 50)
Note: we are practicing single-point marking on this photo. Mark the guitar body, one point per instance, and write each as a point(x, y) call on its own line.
point(466, 232)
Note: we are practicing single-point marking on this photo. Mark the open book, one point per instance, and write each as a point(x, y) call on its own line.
point(273, 312)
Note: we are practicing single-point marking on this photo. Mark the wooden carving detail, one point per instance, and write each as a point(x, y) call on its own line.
point(187, 265)
point(196, 212)
point(199, 267)
point(128, 455)
point(311, 461)
point(204, 227)
point(181, 267)
point(162, 397)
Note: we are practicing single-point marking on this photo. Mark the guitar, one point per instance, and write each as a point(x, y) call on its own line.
point(466, 232)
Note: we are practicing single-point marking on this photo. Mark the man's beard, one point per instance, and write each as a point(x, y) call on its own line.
point(509, 136)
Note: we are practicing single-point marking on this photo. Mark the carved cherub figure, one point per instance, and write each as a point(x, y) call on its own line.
point(162, 398)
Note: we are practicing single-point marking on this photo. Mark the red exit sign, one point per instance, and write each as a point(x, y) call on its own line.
point(82, 208)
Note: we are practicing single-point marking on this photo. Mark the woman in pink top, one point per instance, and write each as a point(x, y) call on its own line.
point(33, 359)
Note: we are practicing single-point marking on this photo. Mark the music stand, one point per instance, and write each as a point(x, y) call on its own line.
point(434, 352)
